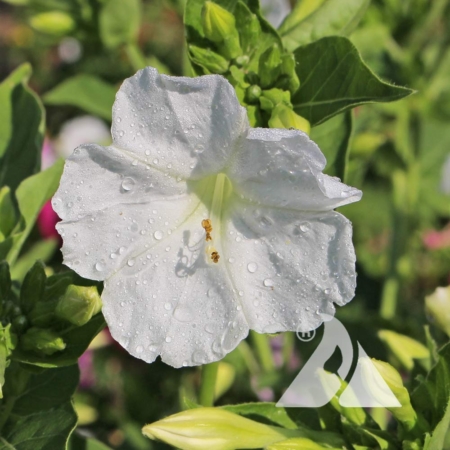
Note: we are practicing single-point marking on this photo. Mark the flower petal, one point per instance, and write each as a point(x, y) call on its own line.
point(288, 266)
point(187, 126)
point(175, 304)
point(283, 168)
point(115, 208)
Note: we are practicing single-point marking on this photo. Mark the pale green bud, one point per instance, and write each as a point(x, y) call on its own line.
point(210, 60)
point(214, 428)
point(54, 22)
point(296, 444)
point(272, 97)
point(79, 304)
point(437, 307)
point(269, 68)
point(219, 26)
point(42, 341)
point(404, 348)
point(405, 414)
point(283, 117)
point(253, 93)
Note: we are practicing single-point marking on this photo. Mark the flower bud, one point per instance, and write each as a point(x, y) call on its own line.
point(79, 304)
point(405, 414)
point(288, 70)
point(269, 67)
point(404, 348)
point(55, 23)
point(219, 26)
point(208, 59)
point(437, 307)
point(272, 97)
point(42, 341)
point(253, 93)
point(214, 428)
point(284, 117)
point(296, 444)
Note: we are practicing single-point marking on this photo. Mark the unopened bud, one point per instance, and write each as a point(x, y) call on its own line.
point(269, 67)
point(253, 93)
point(219, 26)
point(296, 444)
point(79, 304)
point(42, 341)
point(405, 414)
point(437, 307)
point(284, 117)
point(214, 428)
point(210, 60)
point(55, 23)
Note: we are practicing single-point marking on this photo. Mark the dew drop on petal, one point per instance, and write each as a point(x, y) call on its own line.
point(128, 184)
point(158, 235)
point(139, 349)
point(305, 227)
point(168, 339)
point(100, 266)
point(252, 267)
point(131, 262)
point(168, 306)
point(268, 282)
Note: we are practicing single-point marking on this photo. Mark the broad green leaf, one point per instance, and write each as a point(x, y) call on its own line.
point(46, 390)
point(84, 91)
point(333, 138)
point(31, 196)
point(334, 78)
point(21, 129)
point(119, 22)
point(77, 340)
point(431, 397)
point(439, 440)
point(311, 20)
point(44, 430)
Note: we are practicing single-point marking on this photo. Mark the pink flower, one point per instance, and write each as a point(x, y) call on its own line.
point(434, 240)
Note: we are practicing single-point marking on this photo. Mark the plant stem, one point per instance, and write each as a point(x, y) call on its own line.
point(208, 383)
point(263, 350)
point(6, 410)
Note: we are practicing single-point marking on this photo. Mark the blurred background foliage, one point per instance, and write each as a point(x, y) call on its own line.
point(399, 157)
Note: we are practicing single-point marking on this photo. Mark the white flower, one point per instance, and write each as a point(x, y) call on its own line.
point(135, 216)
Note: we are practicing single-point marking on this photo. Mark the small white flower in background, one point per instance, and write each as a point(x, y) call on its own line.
point(202, 227)
point(445, 179)
point(275, 11)
point(81, 130)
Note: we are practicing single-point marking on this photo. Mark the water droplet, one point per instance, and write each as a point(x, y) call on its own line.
point(121, 133)
point(118, 120)
point(139, 349)
point(158, 235)
point(231, 260)
point(113, 256)
point(168, 339)
point(252, 267)
point(155, 161)
point(100, 266)
point(305, 227)
point(210, 328)
point(131, 262)
point(185, 363)
point(241, 293)
point(327, 291)
point(147, 152)
point(128, 184)
point(268, 282)
point(135, 162)
point(167, 249)
point(69, 205)
point(168, 306)
point(199, 148)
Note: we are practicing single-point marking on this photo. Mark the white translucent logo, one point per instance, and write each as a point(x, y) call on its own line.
point(314, 387)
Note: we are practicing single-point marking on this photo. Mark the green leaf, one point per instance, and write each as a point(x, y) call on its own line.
point(311, 20)
point(334, 78)
point(77, 340)
point(7, 211)
point(44, 430)
point(42, 250)
point(31, 196)
point(46, 390)
point(333, 138)
point(431, 397)
point(119, 22)
point(21, 129)
point(439, 440)
point(84, 91)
